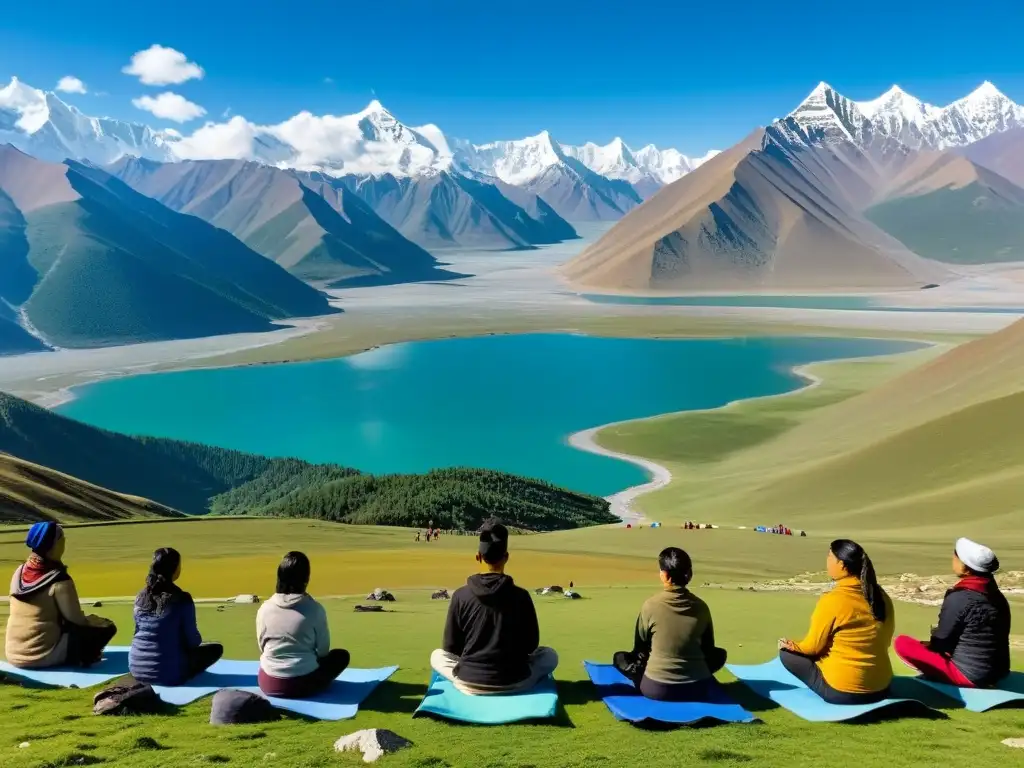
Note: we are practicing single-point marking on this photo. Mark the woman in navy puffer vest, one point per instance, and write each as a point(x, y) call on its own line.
point(167, 648)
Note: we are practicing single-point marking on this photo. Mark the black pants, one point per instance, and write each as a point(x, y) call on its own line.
point(317, 681)
point(633, 666)
point(807, 672)
point(202, 658)
point(86, 643)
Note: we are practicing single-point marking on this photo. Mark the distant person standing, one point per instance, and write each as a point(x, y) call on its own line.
point(674, 654)
point(46, 626)
point(971, 645)
point(491, 636)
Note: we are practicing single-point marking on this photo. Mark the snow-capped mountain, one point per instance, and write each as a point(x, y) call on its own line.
point(525, 160)
point(617, 161)
point(543, 166)
point(826, 116)
point(40, 124)
point(370, 142)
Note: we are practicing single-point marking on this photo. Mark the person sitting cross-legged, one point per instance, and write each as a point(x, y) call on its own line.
point(674, 656)
point(46, 626)
point(296, 659)
point(167, 648)
point(491, 635)
point(845, 656)
point(971, 645)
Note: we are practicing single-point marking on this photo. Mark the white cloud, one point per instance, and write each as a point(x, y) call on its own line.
point(158, 65)
point(329, 80)
point(216, 141)
point(69, 84)
point(170, 106)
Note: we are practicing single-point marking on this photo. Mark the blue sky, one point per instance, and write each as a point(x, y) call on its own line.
point(693, 76)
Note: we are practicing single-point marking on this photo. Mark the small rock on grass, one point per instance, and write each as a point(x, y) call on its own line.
point(1018, 743)
point(372, 742)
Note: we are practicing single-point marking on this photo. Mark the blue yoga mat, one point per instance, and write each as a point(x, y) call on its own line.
point(114, 664)
point(1010, 691)
point(627, 703)
point(443, 699)
point(339, 702)
point(772, 681)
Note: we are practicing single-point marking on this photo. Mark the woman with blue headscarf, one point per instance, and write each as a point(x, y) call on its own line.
point(46, 626)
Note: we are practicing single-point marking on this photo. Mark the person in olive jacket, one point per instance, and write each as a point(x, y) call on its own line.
point(491, 636)
point(971, 645)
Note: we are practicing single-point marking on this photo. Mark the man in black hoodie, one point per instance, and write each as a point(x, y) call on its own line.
point(491, 636)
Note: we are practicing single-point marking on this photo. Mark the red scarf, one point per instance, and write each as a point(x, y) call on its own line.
point(976, 583)
point(35, 568)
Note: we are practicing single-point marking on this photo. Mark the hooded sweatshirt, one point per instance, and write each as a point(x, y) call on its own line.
point(293, 635)
point(44, 599)
point(492, 628)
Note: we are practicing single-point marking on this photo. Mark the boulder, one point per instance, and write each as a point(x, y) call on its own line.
point(246, 599)
point(368, 608)
point(441, 594)
point(381, 594)
point(571, 595)
point(552, 590)
point(374, 743)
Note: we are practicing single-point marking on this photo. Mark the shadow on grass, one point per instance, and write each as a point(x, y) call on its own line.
point(395, 698)
point(923, 703)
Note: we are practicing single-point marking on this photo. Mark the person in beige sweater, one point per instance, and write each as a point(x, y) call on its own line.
point(46, 626)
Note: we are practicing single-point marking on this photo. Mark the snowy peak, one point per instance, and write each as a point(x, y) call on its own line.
point(896, 104)
point(828, 116)
point(41, 124)
point(825, 115)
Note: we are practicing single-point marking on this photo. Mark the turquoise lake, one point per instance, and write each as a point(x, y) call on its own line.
point(500, 402)
point(787, 302)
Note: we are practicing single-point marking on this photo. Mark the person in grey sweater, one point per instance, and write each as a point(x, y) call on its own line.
point(296, 659)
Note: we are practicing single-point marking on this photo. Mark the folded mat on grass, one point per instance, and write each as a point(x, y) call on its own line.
point(1009, 691)
point(339, 702)
point(444, 700)
point(113, 664)
point(627, 703)
point(773, 681)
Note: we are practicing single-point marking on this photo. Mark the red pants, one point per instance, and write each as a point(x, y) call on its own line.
point(931, 664)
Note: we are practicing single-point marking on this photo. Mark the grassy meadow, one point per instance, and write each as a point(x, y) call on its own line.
point(613, 568)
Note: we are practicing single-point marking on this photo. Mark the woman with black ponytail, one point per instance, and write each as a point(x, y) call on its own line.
point(845, 656)
point(167, 648)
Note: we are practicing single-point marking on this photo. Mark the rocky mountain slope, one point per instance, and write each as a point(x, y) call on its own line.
point(819, 200)
point(90, 262)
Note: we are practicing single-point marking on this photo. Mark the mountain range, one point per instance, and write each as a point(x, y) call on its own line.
point(588, 182)
point(87, 261)
point(883, 194)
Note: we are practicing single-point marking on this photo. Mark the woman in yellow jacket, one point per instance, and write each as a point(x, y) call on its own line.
point(845, 656)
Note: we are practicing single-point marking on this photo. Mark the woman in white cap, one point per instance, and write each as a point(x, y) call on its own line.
point(971, 645)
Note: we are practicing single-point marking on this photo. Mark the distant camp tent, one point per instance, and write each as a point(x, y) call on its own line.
point(655, 525)
point(629, 525)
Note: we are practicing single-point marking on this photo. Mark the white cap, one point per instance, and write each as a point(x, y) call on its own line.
point(976, 556)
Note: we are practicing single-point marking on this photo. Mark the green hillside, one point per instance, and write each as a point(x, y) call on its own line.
point(197, 478)
point(452, 498)
point(29, 492)
point(969, 225)
point(94, 263)
point(906, 451)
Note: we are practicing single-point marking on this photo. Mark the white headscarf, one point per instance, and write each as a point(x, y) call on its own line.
point(977, 556)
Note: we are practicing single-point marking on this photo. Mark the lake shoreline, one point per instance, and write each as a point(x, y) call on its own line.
point(661, 476)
